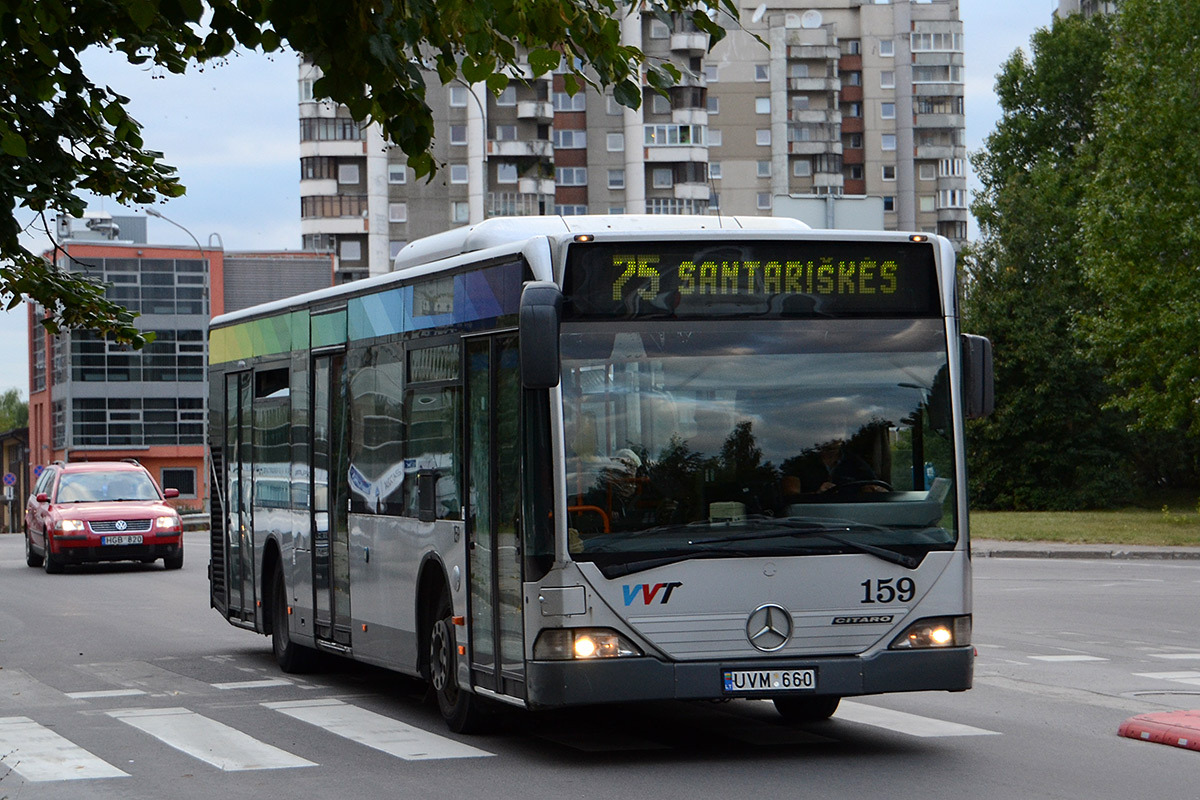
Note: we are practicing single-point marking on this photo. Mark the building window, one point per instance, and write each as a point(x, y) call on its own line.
point(673, 135)
point(928, 202)
point(506, 133)
point(397, 173)
point(615, 142)
point(952, 198)
point(854, 109)
point(660, 104)
point(714, 170)
point(763, 168)
point(458, 134)
point(764, 200)
point(853, 47)
point(506, 172)
point(566, 102)
point(711, 73)
point(570, 176)
point(318, 168)
point(616, 179)
point(570, 210)
point(508, 97)
point(663, 178)
point(802, 168)
point(762, 137)
point(397, 212)
point(887, 79)
point(762, 73)
point(714, 138)
point(856, 172)
point(887, 141)
point(887, 48)
point(714, 104)
point(801, 71)
point(762, 105)
point(887, 110)
point(458, 96)
point(927, 172)
point(395, 246)
point(951, 167)
point(889, 203)
point(460, 211)
point(888, 173)
point(855, 141)
point(350, 250)
point(612, 107)
point(459, 173)
point(570, 139)
point(179, 478)
point(659, 29)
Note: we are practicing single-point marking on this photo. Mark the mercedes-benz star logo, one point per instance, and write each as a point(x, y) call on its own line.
point(121, 525)
point(769, 627)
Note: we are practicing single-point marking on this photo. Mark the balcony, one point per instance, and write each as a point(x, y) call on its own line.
point(691, 191)
point(536, 110)
point(674, 154)
point(536, 186)
point(811, 37)
point(691, 44)
point(940, 121)
point(814, 148)
point(816, 116)
point(690, 116)
point(536, 148)
point(813, 52)
point(514, 204)
point(938, 151)
point(814, 84)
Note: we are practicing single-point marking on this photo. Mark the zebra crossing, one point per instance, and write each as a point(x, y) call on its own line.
point(41, 750)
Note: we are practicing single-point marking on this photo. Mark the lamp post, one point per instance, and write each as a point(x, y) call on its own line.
point(206, 310)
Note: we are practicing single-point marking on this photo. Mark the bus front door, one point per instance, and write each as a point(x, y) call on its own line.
point(493, 479)
point(330, 524)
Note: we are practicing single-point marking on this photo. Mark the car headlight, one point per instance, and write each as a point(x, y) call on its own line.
point(168, 523)
point(567, 644)
point(67, 525)
point(935, 632)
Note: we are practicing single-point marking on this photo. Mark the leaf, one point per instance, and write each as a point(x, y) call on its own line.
point(14, 144)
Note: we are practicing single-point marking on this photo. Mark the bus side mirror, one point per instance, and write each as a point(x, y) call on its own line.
point(541, 312)
point(978, 381)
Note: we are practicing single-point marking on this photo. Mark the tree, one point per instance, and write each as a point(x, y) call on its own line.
point(1141, 216)
point(1050, 444)
point(61, 135)
point(14, 412)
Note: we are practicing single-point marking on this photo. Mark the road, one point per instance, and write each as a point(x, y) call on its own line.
point(119, 682)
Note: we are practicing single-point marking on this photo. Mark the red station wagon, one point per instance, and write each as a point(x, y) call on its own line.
point(100, 511)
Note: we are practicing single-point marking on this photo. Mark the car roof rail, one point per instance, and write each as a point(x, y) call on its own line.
point(132, 461)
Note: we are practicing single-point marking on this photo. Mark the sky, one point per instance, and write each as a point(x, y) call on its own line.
point(231, 131)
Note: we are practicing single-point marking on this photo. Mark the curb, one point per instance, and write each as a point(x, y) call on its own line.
point(994, 549)
point(1172, 728)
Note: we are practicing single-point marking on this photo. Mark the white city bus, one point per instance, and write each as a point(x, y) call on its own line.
point(553, 461)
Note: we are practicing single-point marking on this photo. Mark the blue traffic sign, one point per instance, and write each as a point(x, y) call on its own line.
point(10, 479)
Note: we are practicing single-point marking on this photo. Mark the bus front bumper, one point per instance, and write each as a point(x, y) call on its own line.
point(555, 684)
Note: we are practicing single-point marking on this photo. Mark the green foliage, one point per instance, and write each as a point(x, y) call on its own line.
point(1049, 444)
point(1141, 216)
point(62, 135)
point(14, 412)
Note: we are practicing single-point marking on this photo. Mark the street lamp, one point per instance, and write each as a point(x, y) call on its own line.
point(208, 467)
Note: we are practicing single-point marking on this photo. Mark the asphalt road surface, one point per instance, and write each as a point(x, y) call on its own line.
point(118, 681)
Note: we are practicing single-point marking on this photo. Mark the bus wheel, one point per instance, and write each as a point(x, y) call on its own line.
point(807, 709)
point(459, 709)
point(290, 656)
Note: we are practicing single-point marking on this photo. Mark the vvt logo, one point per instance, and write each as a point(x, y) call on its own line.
point(647, 592)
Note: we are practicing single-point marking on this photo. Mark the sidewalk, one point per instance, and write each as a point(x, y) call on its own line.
point(990, 548)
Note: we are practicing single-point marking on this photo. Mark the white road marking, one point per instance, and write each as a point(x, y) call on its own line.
point(375, 730)
point(208, 740)
point(901, 722)
point(1168, 676)
point(259, 684)
point(105, 693)
point(39, 754)
point(1179, 656)
point(1058, 659)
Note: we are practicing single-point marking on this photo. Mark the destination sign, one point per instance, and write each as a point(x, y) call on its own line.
point(784, 279)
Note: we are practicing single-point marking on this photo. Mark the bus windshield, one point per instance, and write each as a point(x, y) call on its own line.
point(714, 438)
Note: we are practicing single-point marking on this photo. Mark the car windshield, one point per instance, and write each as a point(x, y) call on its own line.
point(98, 487)
point(787, 437)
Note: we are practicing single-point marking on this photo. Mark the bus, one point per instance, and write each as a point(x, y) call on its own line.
point(560, 461)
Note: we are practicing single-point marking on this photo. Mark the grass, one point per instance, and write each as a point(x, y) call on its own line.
point(1171, 523)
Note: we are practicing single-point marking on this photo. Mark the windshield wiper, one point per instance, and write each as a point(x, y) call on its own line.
point(801, 527)
point(628, 568)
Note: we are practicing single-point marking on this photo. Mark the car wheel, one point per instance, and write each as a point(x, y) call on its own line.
point(174, 562)
point(52, 563)
point(31, 558)
point(291, 657)
point(461, 710)
point(807, 709)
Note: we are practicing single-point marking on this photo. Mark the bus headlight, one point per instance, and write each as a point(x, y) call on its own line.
point(567, 644)
point(935, 632)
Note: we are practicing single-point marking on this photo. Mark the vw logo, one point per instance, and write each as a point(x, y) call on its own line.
point(769, 627)
point(121, 525)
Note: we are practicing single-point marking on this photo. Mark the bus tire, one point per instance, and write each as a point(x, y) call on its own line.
point(460, 709)
point(291, 657)
point(807, 709)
